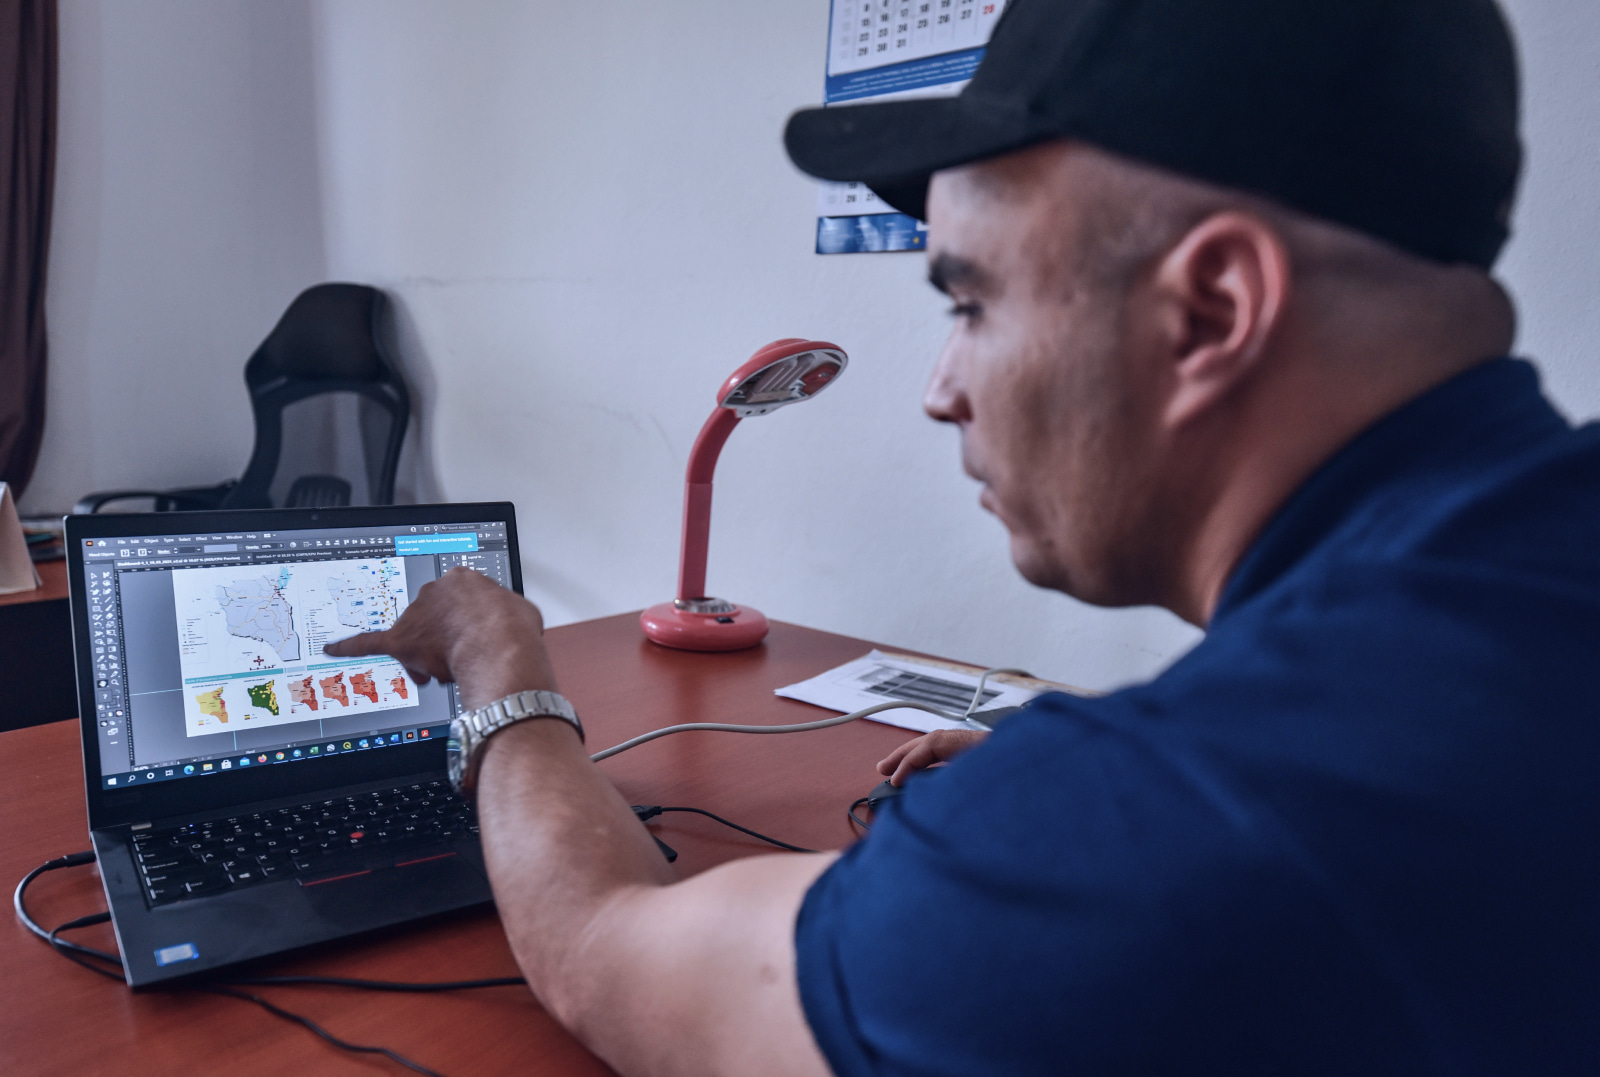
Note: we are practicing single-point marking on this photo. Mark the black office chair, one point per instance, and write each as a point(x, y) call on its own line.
point(326, 344)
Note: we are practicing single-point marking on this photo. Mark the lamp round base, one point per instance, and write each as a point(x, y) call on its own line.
point(730, 630)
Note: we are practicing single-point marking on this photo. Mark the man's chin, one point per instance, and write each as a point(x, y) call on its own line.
point(1033, 566)
point(1042, 570)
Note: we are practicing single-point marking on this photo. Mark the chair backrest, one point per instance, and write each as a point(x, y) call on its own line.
point(326, 343)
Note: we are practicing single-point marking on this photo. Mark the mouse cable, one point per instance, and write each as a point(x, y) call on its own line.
point(650, 811)
point(856, 819)
point(81, 955)
point(802, 727)
point(977, 697)
point(965, 718)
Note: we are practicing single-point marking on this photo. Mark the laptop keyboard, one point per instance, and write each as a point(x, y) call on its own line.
point(317, 841)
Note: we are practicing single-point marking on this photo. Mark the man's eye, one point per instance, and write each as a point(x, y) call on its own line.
point(966, 311)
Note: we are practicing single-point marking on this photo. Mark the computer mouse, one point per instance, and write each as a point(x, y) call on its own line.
point(882, 793)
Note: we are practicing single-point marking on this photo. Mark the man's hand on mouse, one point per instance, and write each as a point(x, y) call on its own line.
point(940, 746)
point(466, 628)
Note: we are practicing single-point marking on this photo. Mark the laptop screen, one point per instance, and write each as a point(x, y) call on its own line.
point(207, 647)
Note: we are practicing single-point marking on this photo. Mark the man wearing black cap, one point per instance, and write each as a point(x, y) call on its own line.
point(1225, 342)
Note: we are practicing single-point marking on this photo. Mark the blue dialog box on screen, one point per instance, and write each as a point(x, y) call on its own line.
point(412, 545)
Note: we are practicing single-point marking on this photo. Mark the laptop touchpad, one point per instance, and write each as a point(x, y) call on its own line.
point(386, 895)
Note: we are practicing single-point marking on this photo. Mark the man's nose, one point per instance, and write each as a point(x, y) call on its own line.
point(945, 398)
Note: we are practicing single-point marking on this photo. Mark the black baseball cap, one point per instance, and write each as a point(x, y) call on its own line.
point(1394, 117)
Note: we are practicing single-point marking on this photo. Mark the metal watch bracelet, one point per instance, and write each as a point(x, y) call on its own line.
point(470, 730)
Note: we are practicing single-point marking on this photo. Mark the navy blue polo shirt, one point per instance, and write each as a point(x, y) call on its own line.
point(1355, 831)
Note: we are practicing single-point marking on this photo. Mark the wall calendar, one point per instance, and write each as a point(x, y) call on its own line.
point(884, 49)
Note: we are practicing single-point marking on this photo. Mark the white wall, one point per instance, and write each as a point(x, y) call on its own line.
point(586, 241)
point(585, 230)
point(1552, 264)
point(187, 215)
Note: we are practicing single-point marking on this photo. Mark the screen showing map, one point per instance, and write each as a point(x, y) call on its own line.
point(207, 650)
point(250, 642)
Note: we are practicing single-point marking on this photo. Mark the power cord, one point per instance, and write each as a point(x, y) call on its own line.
point(87, 956)
point(303, 1020)
point(71, 860)
point(966, 718)
point(82, 955)
point(375, 985)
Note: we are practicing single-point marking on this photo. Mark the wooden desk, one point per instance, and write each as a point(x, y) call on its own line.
point(56, 1018)
point(36, 678)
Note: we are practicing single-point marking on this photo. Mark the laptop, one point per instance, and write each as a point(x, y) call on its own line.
point(248, 794)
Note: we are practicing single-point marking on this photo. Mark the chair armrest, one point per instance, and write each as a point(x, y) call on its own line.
point(91, 503)
point(173, 499)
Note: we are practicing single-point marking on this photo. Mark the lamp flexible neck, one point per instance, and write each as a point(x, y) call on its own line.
point(697, 502)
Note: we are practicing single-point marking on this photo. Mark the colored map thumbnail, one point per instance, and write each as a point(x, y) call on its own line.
point(371, 595)
point(333, 689)
point(245, 635)
point(211, 703)
point(264, 696)
point(258, 609)
point(362, 685)
point(302, 693)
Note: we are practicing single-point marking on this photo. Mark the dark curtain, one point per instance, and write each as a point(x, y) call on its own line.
point(27, 175)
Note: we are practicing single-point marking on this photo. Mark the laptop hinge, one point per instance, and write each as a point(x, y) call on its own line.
point(140, 826)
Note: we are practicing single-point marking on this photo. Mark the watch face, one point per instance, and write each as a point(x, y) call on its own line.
point(455, 758)
point(452, 756)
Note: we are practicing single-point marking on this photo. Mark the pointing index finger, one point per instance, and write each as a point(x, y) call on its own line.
point(363, 643)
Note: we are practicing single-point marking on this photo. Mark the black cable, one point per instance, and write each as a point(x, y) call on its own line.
point(66, 949)
point(856, 819)
point(79, 948)
point(373, 985)
point(279, 1011)
point(71, 860)
point(651, 811)
point(80, 955)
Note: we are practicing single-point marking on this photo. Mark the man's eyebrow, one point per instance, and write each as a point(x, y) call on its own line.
point(951, 271)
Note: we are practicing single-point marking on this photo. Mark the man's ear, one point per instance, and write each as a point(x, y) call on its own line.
point(1225, 287)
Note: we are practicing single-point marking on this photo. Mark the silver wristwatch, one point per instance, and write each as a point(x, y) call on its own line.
point(471, 729)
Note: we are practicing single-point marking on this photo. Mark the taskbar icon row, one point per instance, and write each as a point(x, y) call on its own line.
point(277, 755)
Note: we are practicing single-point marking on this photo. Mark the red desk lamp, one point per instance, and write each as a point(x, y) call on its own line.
point(784, 372)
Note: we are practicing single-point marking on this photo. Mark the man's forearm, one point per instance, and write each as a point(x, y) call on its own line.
point(692, 979)
point(657, 977)
point(561, 844)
